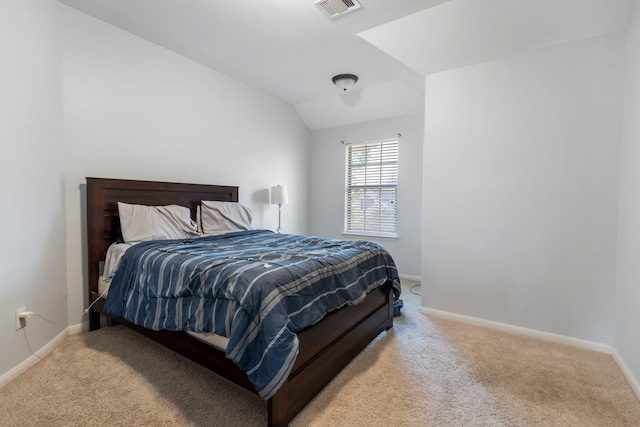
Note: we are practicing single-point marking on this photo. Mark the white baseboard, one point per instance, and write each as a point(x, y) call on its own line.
point(38, 355)
point(409, 277)
point(547, 336)
point(633, 382)
point(78, 328)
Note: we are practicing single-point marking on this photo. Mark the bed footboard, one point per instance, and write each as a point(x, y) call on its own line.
point(326, 348)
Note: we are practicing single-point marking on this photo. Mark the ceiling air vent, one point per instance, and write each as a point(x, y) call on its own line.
point(335, 8)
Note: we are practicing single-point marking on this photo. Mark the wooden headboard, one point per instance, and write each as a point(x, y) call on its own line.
point(103, 223)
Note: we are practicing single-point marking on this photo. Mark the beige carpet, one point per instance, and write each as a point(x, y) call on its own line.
point(425, 372)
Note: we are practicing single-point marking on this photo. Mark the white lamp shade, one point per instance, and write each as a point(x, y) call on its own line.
point(279, 195)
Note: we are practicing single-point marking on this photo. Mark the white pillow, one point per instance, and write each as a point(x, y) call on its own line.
point(224, 217)
point(140, 222)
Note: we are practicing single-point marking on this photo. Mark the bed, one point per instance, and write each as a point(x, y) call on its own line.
point(324, 348)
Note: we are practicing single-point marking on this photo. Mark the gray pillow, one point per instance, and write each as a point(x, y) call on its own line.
point(140, 222)
point(224, 217)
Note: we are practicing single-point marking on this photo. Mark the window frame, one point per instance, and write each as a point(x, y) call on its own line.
point(386, 225)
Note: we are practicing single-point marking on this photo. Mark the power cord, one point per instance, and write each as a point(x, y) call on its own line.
point(415, 286)
point(27, 314)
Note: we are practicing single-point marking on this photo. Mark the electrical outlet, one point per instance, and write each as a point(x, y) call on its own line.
point(20, 323)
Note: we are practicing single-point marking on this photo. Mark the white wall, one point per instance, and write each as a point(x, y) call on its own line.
point(328, 183)
point(137, 111)
point(627, 306)
point(521, 169)
point(32, 256)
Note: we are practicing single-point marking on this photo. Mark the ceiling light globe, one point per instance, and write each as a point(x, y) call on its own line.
point(345, 81)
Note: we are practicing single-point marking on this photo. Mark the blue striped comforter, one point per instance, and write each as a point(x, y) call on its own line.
point(256, 287)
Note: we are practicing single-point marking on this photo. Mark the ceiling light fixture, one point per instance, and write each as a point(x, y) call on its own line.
point(345, 81)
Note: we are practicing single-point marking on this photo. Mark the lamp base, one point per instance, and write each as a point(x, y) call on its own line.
point(279, 216)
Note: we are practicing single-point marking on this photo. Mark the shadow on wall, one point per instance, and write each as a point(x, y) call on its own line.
point(261, 200)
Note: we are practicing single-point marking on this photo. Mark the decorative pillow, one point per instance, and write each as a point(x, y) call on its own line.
point(140, 222)
point(224, 217)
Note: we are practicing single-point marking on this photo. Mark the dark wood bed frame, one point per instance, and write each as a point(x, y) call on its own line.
point(325, 348)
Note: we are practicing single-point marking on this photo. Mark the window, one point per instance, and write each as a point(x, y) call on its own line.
point(372, 188)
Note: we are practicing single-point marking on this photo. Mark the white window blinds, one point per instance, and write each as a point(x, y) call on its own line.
point(372, 188)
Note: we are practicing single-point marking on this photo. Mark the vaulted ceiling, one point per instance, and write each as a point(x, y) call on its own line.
point(290, 49)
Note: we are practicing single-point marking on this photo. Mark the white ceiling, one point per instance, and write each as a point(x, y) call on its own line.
point(465, 32)
point(290, 49)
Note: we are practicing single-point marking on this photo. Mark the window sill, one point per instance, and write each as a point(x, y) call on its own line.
point(372, 236)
